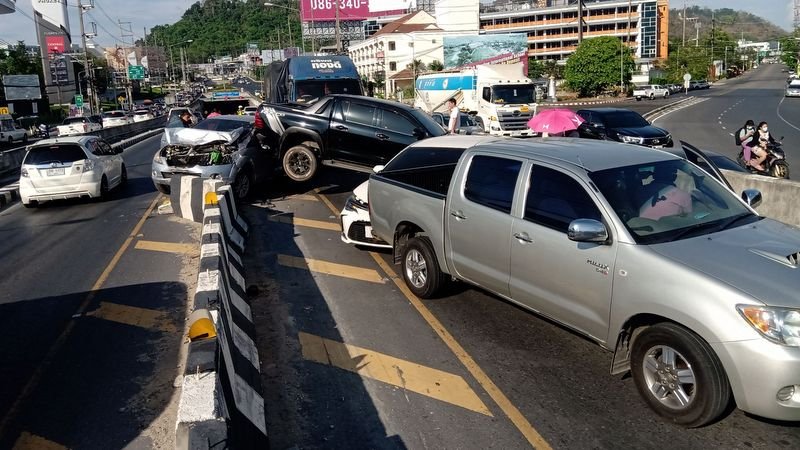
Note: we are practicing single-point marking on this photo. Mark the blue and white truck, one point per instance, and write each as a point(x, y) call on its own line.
point(500, 96)
point(304, 79)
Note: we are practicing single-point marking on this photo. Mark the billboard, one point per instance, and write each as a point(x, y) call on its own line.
point(53, 11)
point(22, 87)
point(472, 50)
point(325, 10)
point(59, 64)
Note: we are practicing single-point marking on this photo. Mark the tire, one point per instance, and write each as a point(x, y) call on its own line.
point(10, 140)
point(780, 170)
point(666, 94)
point(421, 269)
point(123, 176)
point(104, 188)
point(243, 186)
point(704, 393)
point(300, 163)
point(652, 96)
point(25, 138)
point(163, 189)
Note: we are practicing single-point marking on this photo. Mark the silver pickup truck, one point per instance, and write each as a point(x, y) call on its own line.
point(637, 249)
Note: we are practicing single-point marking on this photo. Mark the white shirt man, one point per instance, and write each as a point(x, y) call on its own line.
point(452, 124)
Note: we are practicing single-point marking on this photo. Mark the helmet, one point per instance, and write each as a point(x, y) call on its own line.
point(241, 107)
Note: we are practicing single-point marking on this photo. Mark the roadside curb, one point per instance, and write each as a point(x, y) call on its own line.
point(583, 103)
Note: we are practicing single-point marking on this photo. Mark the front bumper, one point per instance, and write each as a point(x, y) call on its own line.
point(162, 173)
point(793, 93)
point(356, 228)
point(757, 369)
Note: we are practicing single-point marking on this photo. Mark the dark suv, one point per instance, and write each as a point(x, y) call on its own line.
point(622, 125)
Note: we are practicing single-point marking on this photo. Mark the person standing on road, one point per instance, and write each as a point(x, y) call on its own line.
point(452, 124)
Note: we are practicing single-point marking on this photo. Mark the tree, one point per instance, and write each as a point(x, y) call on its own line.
point(417, 66)
point(790, 49)
point(538, 68)
point(17, 61)
point(435, 66)
point(595, 65)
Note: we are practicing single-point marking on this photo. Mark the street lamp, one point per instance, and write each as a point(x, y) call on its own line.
point(289, 22)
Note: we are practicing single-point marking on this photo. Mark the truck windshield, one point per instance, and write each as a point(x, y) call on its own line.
point(513, 93)
point(308, 91)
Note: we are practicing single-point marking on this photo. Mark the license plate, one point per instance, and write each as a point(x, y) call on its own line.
point(368, 232)
point(55, 172)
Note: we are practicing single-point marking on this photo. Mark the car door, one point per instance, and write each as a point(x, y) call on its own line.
point(103, 159)
point(397, 131)
point(566, 280)
point(479, 220)
point(115, 160)
point(351, 135)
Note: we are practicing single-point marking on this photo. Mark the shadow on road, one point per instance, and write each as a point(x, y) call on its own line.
point(98, 380)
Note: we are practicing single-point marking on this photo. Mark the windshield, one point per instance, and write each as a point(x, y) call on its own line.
point(63, 153)
point(513, 93)
point(669, 200)
point(312, 90)
point(222, 124)
point(624, 119)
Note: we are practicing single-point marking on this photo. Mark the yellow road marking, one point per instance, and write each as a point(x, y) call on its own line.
point(414, 377)
point(48, 358)
point(168, 247)
point(508, 408)
point(329, 268)
point(320, 224)
point(327, 202)
point(133, 316)
point(27, 441)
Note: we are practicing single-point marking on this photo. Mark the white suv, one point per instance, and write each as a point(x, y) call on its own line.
point(70, 167)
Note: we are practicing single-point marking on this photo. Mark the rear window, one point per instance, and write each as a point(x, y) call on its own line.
point(429, 169)
point(62, 153)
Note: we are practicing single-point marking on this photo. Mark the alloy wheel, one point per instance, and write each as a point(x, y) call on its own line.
point(416, 269)
point(669, 377)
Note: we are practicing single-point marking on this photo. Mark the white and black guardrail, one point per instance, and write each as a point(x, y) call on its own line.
point(222, 397)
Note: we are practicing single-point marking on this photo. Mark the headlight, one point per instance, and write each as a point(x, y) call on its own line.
point(631, 139)
point(157, 158)
point(355, 204)
point(779, 325)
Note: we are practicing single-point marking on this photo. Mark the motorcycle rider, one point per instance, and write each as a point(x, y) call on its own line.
point(758, 147)
point(44, 132)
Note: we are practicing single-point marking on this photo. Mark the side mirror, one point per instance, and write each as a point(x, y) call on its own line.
point(377, 168)
point(752, 197)
point(587, 230)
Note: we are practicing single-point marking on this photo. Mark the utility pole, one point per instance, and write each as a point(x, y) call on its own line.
point(580, 21)
point(630, 2)
point(713, 25)
point(684, 24)
point(128, 86)
point(338, 35)
point(88, 71)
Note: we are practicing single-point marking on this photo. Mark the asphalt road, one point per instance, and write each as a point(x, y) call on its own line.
point(351, 361)
point(92, 308)
point(758, 96)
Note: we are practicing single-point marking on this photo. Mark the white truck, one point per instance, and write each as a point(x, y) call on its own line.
point(501, 96)
point(80, 125)
point(651, 91)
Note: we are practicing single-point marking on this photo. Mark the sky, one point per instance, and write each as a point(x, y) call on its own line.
point(148, 13)
point(19, 26)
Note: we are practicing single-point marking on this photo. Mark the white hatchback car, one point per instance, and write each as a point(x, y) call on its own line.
point(141, 115)
point(70, 167)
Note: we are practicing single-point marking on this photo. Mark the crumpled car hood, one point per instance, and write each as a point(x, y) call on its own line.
point(194, 136)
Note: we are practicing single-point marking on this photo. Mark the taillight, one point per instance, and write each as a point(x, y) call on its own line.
point(259, 122)
point(88, 166)
point(85, 128)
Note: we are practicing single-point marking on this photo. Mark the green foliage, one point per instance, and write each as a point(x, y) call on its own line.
point(544, 69)
point(225, 27)
point(435, 66)
point(595, 66)
point(789, 50)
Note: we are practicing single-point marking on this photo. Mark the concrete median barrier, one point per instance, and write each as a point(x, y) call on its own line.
point(222, 379)
point(779, 196)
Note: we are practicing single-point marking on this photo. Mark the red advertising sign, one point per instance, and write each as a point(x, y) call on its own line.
point(325, 10)
point(55, 44)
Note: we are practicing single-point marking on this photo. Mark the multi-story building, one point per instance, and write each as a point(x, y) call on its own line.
point(552, 25)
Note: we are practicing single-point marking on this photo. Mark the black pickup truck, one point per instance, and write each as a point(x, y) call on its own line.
point(349, 131)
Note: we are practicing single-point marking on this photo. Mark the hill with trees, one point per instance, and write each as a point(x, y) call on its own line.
point(737, 24)
point(225, 27)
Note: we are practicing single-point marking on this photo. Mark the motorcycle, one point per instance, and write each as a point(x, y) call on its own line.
point(42, 133)
point(775, 165)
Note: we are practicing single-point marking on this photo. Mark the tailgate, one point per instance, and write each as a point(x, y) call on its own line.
point(54, 178)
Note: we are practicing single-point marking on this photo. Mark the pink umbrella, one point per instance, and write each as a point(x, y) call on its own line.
point(554, 121)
